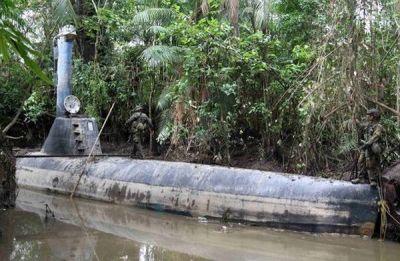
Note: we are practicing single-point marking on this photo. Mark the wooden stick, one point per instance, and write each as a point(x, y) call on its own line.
point(333, 111)
point(14, 120)
point(13, 138)
point(384, 106)
point(91, 151)
point(85, 229)
point(101, 130)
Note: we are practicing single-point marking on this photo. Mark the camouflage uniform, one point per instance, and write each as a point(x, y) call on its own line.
point(140, 122)
point(369, 160)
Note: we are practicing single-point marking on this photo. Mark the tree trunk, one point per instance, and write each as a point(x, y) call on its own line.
point(152, 91)
point(398, 94)
point(234, 16)
point(352, 74)
point(8, 185)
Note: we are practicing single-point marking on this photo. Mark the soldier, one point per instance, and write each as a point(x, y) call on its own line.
point(369, 160)
point(139, 123)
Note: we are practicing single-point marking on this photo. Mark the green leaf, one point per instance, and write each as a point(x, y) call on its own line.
point(153, 16)
point(3, 47)
point(36, 69)
point(64, 12)
point(161, 54)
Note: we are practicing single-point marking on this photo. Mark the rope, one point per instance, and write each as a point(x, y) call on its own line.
point(394, 219)
point(91, 151)
point(385, 211)
point(383, 207)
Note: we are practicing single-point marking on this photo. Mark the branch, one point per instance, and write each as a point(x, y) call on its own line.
point(326, 116)
point(384, 106)
point(49, 114)
point(14, 138)
point(12, 122)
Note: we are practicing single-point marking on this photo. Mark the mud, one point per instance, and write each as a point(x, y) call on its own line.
point(87, 230)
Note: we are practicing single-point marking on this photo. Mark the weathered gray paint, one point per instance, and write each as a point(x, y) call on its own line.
point(276, 199)
point(72, 136)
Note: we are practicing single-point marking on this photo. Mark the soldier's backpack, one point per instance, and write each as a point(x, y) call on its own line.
point(140, 127)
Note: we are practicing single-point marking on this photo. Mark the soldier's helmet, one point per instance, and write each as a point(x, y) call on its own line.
point(138, 108)
point(374, 113)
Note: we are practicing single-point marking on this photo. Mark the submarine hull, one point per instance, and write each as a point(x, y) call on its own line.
point(232, 194)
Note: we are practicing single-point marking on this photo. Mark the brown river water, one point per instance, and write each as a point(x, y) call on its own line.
point(90, 230)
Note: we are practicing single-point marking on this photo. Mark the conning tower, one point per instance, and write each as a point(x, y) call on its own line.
point(71, 133)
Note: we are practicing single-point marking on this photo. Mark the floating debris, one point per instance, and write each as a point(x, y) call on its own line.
point(202, 220)
point(49, 213)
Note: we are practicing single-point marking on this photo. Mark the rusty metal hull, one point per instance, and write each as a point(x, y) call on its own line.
point(274, 199)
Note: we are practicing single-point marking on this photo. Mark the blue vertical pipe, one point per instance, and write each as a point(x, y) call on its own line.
point(64, 72)
point(55, 61)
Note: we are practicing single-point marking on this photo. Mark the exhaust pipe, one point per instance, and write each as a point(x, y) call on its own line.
point(70, 134)
point(63, 57)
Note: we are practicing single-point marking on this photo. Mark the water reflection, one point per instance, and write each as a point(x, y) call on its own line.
point(88, 230)
point(146, 253)
point(26, 236)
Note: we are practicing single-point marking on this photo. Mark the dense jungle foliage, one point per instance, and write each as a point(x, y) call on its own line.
point(279, 80)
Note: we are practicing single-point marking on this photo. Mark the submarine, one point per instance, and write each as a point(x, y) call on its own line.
point(273, 199)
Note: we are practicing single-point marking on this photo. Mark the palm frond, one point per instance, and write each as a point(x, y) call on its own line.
point(166, 128)
point(64, 12)
point(6, 6)
point(147, 3)
point(166, 125)
point(260, 10)
point(248, 10)
point(161, 54)
point(165, 99)
point(153, 16)
point(262, 14)
point(156, 29)
point(12, 40)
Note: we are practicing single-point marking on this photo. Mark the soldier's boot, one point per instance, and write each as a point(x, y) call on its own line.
point(361, 179)
point(362, 173)
point(372, 171)
point(372, 178)
point(373, 183)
